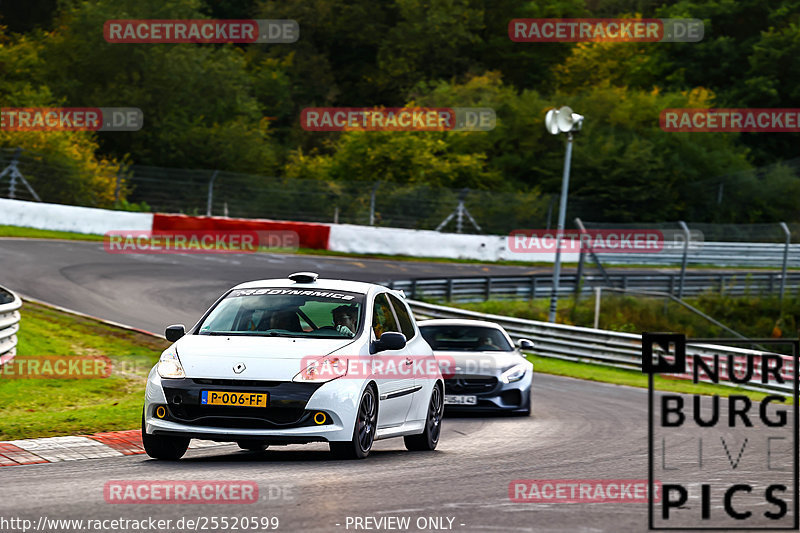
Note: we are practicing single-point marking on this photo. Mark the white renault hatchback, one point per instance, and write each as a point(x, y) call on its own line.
point(297, 360)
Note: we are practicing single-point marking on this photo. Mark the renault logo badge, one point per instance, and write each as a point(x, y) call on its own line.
point(239, 368)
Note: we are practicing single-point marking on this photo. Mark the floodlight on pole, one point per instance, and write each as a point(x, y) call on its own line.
point(561, 121)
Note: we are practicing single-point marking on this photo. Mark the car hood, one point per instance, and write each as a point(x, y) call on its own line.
point(477, 363)
point(264, 358)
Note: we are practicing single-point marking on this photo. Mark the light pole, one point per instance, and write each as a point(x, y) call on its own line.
point(561, 121)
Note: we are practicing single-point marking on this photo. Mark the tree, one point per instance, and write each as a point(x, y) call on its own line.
point(192, 96)
point(61, 166)
point(25, 15)
point(399, 157)
point(625, 168)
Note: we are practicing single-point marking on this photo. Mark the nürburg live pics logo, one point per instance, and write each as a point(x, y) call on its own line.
point(727, 456)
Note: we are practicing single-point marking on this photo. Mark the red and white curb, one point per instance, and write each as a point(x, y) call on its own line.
point(57, 449)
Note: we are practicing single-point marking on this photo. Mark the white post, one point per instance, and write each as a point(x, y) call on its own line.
point(597, 297)
point(788, 234)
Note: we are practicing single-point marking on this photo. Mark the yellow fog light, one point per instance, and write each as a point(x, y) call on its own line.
point(161, 412)
point(320, 418)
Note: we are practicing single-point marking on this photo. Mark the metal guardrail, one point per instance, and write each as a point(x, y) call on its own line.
point(723, 254)
point(10, 305)
point(473, 289)
point(598, 346)
point(749, 245)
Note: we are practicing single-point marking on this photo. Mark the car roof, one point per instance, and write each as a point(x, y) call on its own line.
point(459, 322)
point(329, 284)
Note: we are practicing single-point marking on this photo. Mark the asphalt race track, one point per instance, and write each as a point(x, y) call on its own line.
point(580, 430)
point(599, 433)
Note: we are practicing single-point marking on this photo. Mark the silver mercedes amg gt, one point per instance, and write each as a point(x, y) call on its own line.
point(483, 370)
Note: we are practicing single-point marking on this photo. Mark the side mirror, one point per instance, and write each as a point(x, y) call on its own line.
point(390, 340)
point(175, 332)
point(525, 344)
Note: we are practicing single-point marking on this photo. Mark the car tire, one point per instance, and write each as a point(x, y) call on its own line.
point(166, 448)
point(428, 439)
point(363, 430)
point(252, 446)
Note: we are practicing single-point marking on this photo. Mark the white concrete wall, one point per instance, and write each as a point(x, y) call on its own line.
point(70, 218)
point(343, 237)
point(426, 243)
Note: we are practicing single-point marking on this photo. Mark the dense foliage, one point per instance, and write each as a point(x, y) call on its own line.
point(236, 108)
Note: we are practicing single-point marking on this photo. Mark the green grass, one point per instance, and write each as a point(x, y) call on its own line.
point(633, 378)
point(49, 407)
point(32, 233)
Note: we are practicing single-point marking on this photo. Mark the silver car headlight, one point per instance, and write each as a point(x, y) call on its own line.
point(169, 366)
point(515, 373)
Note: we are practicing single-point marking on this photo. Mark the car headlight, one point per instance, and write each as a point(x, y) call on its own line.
point(515, 373)
point(169, 366)
point(322, 370)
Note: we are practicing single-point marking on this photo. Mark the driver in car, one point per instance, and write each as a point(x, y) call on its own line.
point(485, 344)
point(344, 320)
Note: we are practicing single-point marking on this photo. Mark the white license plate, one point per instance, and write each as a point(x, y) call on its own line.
point(454, 399)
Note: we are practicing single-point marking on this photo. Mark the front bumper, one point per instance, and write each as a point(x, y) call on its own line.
point(289, 417)
point(491, 394)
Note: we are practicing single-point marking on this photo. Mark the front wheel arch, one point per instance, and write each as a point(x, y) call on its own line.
point(354, 449)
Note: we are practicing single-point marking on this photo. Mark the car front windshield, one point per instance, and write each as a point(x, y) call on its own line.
point(466, 338)
point(281, 312)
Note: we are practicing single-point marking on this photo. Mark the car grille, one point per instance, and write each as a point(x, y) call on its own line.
point(236, 417)
point(287, 403)
point(236, 382)
point(469, 385)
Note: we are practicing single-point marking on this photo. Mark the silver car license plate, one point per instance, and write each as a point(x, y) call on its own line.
point(457, 399)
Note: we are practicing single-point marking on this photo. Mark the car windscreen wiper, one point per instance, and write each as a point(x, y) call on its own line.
point(268, 333)
point(245, 333)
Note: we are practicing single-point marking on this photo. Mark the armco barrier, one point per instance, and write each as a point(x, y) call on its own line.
point(311, 235)
point(472, 289)
point(597, 346)
point(426, 243)
point(743, 254)
point(10, 305)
